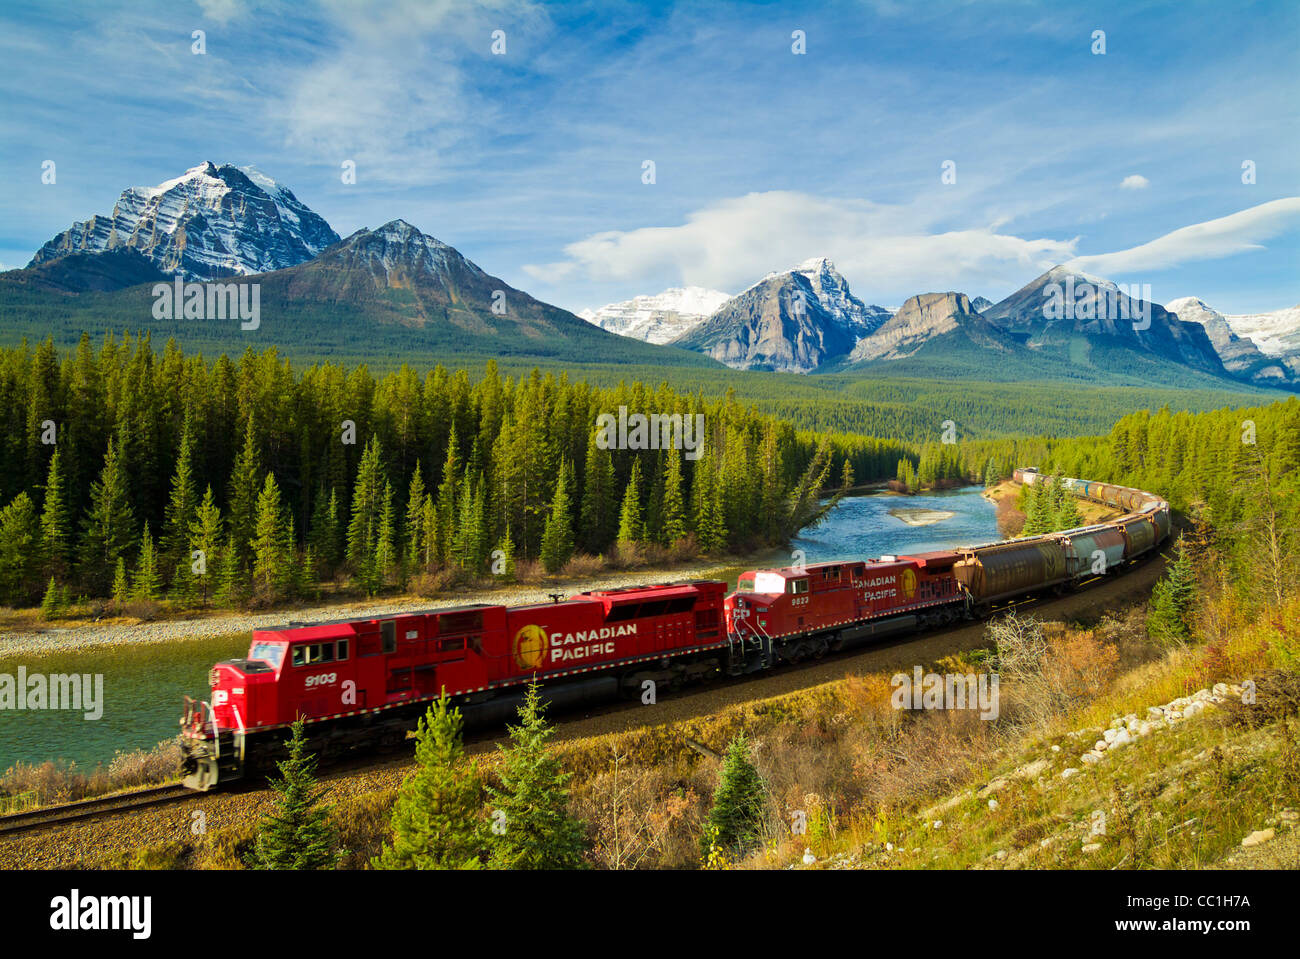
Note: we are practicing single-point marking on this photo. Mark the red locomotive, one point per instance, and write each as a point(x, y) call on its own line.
point(365, 682)
point(797, 612)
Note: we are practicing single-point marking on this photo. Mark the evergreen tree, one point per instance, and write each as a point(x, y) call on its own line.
point(232, 577)
point(272, 544)
point(710, 527)
point(299, 833)
point(145, 584)
point(436, 820)
point(121, 585)
point(52, 603)
point(205, 537)
point(630, 530)
point(415, 532)
point(598, 519)
point(181, 505)
point(557, 538)
point(506, 566)
point(56, 521)
point(673, 516)
point(385, 561)
point(323, 536)
point(531, 824)
point(367, 511)
point(1170, 619)
point(246, 483)
point(109, 524)
point(739, 802)
point(19, 550)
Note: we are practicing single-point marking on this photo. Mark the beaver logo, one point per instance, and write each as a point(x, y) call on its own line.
point(908, 581)
point(530, 646)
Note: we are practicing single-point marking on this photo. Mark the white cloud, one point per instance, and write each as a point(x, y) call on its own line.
point(394, 92)
point(1134, 181)
point(1211, 240)
point(733, 243)
point(222, 11)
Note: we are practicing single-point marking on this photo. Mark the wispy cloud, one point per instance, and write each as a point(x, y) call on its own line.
point(1134, 181)
point(733, 243)
point(1214, 239)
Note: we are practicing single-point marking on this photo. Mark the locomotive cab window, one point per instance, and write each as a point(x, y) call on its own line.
point(313, 654)
point(798, 586)
point(388, 630)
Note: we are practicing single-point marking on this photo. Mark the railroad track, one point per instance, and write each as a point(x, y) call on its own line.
point(91, 808)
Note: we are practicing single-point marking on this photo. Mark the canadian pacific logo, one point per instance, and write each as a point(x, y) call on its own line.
point(908, 581)
point(530, 646)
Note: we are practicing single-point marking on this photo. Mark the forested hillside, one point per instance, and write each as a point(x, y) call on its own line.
point(122, 464)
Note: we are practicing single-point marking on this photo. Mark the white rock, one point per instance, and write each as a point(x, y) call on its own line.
point(1055, 748)
point(1000, 854)
point(1091, 758)
point(1101, 746)
point(889, 847)
point(993, 805)
point(1092, 847)
point(1045, 843)
point(1110, 734)
point(808, 857)
point(1220, 689)
point(1155, 712)
point(1258, 837)
point(1123, 739)
point(1288, 815)
point(1068, 772)
point(938, 824)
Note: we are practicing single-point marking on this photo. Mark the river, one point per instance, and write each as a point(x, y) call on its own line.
point(143, 685)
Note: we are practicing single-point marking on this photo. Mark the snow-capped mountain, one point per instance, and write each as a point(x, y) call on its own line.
point(980, 303)
point(658, 318)
point(1276, 333)
point(777, 324)
point(212, 221)
point(833, 294)
point(1241, 355)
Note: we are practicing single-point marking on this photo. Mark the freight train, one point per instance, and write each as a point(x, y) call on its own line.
point(363, 683)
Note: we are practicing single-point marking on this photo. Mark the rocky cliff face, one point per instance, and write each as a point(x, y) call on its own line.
point(212, 221)
point(924, 318)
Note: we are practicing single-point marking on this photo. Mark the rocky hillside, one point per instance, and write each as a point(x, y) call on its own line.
point(924, 318)
point(1069, 313)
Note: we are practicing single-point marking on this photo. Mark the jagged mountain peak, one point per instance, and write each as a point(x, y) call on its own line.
point(211, 221)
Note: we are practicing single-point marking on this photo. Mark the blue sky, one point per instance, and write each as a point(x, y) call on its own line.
point(1127, 163)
